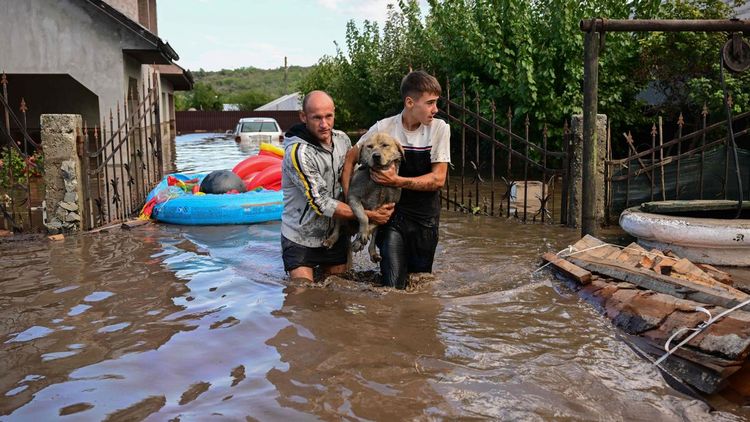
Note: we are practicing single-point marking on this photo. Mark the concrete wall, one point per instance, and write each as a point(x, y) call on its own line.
point(62, 171)
point(70, 38)
point(167, 134)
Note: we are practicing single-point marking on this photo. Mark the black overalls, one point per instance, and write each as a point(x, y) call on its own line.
point(407, 242)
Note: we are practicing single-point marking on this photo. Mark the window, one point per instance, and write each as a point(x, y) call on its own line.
point(269, 127)
point(251, 126)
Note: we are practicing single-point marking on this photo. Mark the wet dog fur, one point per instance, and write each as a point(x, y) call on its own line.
point(378, 152)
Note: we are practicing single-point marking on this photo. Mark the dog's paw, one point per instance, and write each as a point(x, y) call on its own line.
point(358, 244)
point(328, 243)
point(375, 257)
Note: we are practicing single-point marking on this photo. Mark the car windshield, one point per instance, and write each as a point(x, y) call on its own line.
point(259, 127)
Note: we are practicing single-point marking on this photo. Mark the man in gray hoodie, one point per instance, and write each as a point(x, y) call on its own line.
point(314, 156)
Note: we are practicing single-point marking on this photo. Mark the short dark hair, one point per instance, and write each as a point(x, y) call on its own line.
point(419, 82)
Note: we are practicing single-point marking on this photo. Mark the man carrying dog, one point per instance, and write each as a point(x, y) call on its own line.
point(310, 179)
point(408, 242)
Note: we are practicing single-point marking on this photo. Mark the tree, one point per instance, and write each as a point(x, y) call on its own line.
point(528, 55)
point(204, 97)
point(249, 100)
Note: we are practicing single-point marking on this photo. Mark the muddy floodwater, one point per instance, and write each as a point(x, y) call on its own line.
point(185, 323)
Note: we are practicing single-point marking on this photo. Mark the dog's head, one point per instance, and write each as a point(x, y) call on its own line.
point(380, 151)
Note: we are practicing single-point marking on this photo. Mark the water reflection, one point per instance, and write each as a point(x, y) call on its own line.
point(167, 322)
point(203, 153)
point(85, 301)
point(349, 356)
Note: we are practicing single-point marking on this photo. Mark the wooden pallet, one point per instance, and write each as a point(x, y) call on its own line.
point(650, 295)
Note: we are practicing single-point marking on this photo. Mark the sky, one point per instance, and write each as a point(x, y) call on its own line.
point(229, 34)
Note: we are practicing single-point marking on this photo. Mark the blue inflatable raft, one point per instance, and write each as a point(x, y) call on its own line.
point(174, 205)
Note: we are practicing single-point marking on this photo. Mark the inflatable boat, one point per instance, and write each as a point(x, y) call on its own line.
point(177, 199)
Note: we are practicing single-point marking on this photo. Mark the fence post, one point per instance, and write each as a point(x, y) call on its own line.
point(492, 166)
point(575, 189)
point(448, 175)
point(476, 157)
point(62, 171)
point(590, 158)
point(704, 114)
point(565, 191)
point(526, 169)
point(653, 158)
point(463, 140)
point(508, 171)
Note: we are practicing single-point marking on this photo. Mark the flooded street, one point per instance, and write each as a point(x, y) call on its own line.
point(168, 322)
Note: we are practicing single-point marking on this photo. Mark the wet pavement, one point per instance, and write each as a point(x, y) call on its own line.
point(165, 322)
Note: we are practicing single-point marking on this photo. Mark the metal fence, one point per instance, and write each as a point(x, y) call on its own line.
point(122, 158)
point(19, 163)
point(696, 165)
point(512, 174)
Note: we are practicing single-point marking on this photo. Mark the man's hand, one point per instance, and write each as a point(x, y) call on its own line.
point(386, 177)
point(382, 214)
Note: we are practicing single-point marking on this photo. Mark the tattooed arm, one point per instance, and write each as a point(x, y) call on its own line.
point(431, 181)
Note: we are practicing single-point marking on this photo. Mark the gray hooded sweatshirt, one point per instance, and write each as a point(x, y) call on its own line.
point(310, 180)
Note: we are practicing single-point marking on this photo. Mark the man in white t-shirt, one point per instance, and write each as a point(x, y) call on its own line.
point(407, 242)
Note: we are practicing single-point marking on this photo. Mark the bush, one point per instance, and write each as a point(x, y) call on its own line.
point(22, 168)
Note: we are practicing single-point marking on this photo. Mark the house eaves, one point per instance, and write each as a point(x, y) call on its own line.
point(181, 79)
point(156, 51)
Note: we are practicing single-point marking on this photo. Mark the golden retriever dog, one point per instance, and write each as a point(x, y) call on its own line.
point(378, 152)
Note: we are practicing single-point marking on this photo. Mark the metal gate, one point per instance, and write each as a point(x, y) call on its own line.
point(20, 166)
point(512, 174)
point(122, 158)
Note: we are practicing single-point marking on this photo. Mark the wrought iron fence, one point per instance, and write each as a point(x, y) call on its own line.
point(19, 161)
point(696, 165)
point(122, 158)
point(512, 163)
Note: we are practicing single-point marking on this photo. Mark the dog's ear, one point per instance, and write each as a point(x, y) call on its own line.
point(362, 160)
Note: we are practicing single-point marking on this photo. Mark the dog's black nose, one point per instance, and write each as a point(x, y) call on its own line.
point(376, 157)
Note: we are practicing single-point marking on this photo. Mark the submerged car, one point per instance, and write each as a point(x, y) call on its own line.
point(255, 130)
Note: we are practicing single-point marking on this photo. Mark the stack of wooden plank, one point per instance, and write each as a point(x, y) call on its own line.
point(652, 294)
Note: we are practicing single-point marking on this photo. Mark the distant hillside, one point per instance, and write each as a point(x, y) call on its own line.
point(247, 86)
point(269, 82)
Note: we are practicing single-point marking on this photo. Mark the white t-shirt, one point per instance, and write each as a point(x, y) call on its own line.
point(422, 148)
point(434, 138)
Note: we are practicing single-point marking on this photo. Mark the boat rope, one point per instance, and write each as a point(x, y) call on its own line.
point(697, 330)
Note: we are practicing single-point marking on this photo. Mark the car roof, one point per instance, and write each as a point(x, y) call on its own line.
point(257, 119)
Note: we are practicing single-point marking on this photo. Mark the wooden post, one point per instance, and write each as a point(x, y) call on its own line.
point(590, 110)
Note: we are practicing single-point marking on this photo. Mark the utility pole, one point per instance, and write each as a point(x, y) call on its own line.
point(286, 88)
